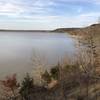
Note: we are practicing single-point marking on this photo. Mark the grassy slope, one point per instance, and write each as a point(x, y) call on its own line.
point(84, 32)
point(81, 31)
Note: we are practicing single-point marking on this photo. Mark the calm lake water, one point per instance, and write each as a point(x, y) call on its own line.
point(21, 52)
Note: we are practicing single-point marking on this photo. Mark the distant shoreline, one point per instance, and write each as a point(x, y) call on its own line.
point(71, 31)
point(6, 30)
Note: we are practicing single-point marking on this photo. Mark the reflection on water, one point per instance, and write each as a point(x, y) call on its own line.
point(18, 49)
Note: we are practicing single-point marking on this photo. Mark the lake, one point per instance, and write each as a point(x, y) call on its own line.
point(21, 52)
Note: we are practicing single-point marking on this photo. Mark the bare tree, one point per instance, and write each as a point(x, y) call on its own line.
point(39, 63)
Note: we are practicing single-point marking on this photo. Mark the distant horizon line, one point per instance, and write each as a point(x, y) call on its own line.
point(36, 29)
point(42, 30)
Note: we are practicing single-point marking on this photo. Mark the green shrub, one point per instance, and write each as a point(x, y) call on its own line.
point(55, 73)
point(26, 87)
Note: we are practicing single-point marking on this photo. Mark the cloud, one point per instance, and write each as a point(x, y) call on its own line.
point(24, 6)
point(97, 2)
point(49, 13)
point(49, 22)
point(10, 8)
point(39, 7)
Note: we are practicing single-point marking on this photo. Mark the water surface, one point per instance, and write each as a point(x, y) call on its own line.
point(19, 50)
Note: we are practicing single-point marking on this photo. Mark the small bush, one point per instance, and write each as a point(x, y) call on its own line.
point(26, 87)
point(55, 73)
point(10, 83)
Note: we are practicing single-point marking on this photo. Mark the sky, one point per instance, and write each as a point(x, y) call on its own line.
point(48, 14)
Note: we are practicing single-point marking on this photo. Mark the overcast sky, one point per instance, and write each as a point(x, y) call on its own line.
point(47, 14)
